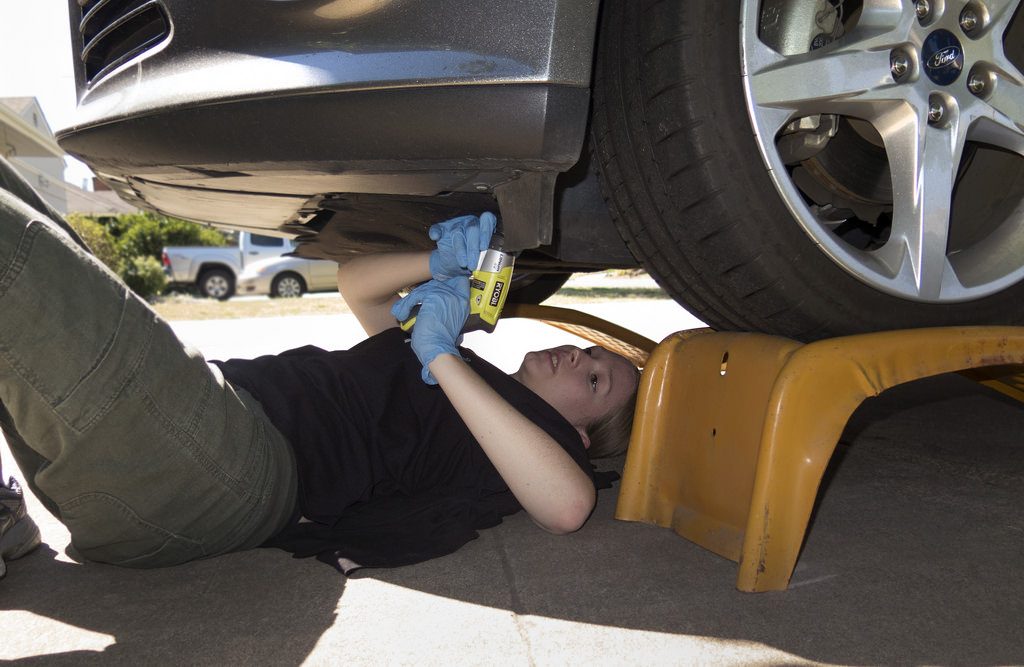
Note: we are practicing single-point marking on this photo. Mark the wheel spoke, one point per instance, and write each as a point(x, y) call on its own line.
point(829, 83)
point(924, 162)
point(1001, 12)
point(852, 76)
point(1004, 126)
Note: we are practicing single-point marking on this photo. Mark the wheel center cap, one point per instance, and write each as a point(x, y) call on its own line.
point(942, 57)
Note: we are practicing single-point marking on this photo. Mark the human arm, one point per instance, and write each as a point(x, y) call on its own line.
point(556, 493)
point(550, 486)
point(370, 284)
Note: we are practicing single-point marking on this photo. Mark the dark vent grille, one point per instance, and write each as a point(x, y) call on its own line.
point(115, 30)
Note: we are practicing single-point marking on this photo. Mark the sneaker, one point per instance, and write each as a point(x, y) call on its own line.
point(18, 532)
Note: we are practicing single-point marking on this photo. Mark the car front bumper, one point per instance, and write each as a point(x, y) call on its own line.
point(251, 285)
point(300, 100)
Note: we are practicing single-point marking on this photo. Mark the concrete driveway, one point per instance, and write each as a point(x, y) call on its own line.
point(915, 556)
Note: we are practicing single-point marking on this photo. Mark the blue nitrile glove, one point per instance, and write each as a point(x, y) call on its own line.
point(444, 307)
point(459, 244)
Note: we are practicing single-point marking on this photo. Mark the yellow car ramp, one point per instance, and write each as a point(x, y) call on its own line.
point(733, 431)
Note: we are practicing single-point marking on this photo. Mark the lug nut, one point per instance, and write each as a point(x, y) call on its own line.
point(899, 64)
point(923, 9)
point(935, 112)
point(977, 84)
point(968, 19)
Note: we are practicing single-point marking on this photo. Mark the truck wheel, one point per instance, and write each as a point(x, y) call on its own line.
point(216, 284)
point(287, 286)
point(814, 168)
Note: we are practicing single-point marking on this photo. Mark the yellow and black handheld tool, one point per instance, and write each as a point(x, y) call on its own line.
point(488, 288)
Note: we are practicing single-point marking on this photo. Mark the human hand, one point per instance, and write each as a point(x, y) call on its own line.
point(443, 309)
point(459, 244)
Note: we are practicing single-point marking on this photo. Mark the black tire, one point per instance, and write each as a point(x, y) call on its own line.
point(535, 288)
point(288, 285)
point(216, 284)
point(690, 193)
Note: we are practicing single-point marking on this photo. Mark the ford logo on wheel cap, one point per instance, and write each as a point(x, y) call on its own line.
point(947, 57)
point(943, 57)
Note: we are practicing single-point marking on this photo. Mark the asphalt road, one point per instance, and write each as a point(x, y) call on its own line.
point(915, 555)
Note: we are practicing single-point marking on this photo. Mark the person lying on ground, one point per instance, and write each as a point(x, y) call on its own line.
point(151, 456)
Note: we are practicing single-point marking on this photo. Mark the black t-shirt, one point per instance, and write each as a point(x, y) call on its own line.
point(388, 472)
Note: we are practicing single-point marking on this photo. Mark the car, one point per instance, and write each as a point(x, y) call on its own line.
point(287, 277)
point(808, 168)
point(213, 271)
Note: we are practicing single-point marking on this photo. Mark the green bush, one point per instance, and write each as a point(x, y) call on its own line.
point(147, 234)
point(131, 244)
point(145, 276)
point(99, 240)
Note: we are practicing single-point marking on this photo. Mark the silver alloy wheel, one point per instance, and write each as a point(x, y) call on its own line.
point(289, 287)
point(216, 286)
point(887, 75)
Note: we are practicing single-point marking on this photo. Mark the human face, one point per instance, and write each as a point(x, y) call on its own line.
point(583, 385)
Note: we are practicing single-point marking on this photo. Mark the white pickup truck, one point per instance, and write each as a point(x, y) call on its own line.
point(213, 271)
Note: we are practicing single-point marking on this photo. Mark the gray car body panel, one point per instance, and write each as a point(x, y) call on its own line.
point(241, 49)
point(306, 101)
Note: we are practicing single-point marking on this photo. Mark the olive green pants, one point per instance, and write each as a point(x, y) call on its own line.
point(127, 436)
